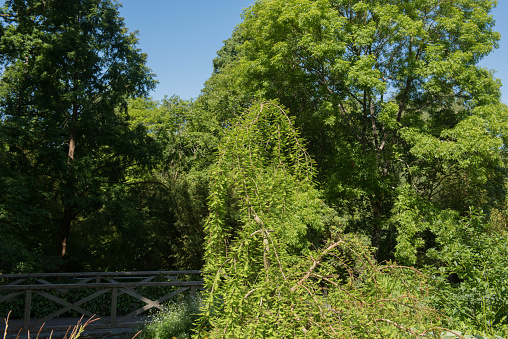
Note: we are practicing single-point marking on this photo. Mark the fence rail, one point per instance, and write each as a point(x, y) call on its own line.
point(97, 284)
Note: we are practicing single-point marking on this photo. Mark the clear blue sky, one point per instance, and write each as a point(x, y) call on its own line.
point(498, 60)
point(181, 38)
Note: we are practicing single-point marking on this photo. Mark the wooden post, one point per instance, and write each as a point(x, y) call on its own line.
point(193, 291)
point(28, 306)
point(97, 280)
point(114, 297)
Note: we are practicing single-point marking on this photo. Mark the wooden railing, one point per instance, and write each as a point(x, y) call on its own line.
point(96, 284)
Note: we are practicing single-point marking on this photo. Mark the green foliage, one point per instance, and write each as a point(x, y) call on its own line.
point(266, 278)
point(229, 53)
point(477, 300)
point(67, 69)
point(386, 94)
point(265, 169)
point(469, 262)
point(149, 113)
point(422, 227)
point(407, 133)
point(462, 166)
point(188, 141)
point(160, 215)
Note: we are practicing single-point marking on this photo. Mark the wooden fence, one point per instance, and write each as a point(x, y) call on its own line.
point(95, 284)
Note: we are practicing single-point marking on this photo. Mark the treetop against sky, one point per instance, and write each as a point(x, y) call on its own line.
point(181, 39)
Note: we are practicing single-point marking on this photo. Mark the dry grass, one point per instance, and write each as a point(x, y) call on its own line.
point(72, 332)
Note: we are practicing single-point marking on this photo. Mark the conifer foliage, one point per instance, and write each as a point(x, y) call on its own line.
point(67, 69)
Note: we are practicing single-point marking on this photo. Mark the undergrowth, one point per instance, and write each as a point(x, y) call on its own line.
point(175, 321)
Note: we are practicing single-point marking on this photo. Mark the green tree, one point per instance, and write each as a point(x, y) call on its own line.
point(265, 273)
point(68, 68)
point(174, 194)
point(230, 52)
point(387, 94)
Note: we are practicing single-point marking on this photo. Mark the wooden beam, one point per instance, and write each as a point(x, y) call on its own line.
point(101, 274)
point(159, 301)
point(103, 282)
point(68, 305)
point(100, 285)
point(10, 296)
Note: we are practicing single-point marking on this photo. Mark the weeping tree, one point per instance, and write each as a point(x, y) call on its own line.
point(276, 260)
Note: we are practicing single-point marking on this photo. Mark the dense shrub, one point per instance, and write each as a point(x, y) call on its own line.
point(175, 321)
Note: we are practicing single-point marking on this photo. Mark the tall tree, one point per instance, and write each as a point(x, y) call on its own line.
point(188, 138)
point(387, 94)
point(68, 67)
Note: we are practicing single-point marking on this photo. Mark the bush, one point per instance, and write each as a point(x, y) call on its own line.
point(478, 301)
point(175, 321)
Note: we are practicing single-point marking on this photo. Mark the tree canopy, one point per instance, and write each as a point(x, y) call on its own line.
point(407, 131)
point(388, 95)
point(342, 174)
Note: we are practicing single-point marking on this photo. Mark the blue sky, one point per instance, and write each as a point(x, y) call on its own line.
point(181, 38)
point(498, 60)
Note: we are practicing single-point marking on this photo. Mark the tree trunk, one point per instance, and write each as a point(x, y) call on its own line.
point(65, 229)
point(376, 231)
point(69, 212)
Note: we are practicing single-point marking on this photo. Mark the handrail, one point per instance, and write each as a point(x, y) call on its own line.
point(100, 283)
point(101, 274)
